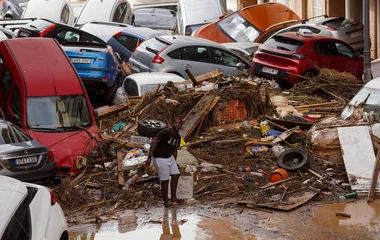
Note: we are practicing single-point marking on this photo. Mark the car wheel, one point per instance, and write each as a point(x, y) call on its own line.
point(150, 127)
point(293, 159)
point(310, 73)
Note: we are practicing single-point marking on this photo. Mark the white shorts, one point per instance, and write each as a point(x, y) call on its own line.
point(165, 167)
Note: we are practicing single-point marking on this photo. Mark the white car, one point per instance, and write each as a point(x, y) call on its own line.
point(139, 84)
point(30, 211)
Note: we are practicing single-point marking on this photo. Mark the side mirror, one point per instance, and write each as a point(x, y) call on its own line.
point(239, 65)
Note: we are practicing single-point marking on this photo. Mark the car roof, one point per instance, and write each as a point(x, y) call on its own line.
point(58, 77)
point(12, 193)
point(242, 45)
point(374, 83)
point(154, 78)
point(104, 30)
point(142, 32)
point(314, 37)
point(38, 8)
point(178, 39)
point(98, 9)
point(201, 11)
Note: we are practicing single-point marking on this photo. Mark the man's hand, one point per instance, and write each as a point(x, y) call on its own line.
point(148, 161)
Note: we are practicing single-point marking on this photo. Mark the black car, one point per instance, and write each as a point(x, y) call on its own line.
point(63, 33)
point(22, 157)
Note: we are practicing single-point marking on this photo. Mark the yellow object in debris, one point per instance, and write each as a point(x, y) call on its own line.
point(183, 143)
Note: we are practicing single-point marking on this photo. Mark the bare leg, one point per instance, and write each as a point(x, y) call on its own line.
point(173, 187)
point(165, 192)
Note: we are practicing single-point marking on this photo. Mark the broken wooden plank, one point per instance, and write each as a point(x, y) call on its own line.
point(107, 111)
point(375, 176)
point(291, 124)
point(276, 183)
point(195, 83)
point(148, 179)
point(317, 105)
point(120, 168)
point(196, 115)
point(204, 77)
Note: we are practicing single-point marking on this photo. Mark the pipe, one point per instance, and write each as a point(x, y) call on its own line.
point(366, 52)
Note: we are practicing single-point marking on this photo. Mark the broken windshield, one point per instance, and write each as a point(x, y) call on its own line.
point(61, 113)
point(366, 98)
point(239, 29)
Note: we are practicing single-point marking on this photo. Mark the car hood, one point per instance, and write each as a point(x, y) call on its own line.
point(12, 192)
point(67, 146)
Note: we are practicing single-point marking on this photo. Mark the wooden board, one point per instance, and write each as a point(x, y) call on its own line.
point(204, 77)
point(196, 116)
point(106, 111)
point(292, 124)
point(358, 156)
point(120, 167)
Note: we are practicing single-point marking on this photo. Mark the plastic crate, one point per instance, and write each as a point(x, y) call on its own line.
point(139, 140)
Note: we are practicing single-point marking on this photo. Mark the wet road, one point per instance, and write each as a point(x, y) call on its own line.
point(188, 223)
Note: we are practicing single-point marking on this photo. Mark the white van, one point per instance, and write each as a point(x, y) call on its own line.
point(192, 14)
point(105, 11)
point(139, 84)
point(54, 10)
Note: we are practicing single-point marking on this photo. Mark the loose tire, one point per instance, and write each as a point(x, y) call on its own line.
point(310, 73)
point(150, 127)
point(293, 159)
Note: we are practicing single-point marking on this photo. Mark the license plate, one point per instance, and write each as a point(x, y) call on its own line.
point(80, 60)
point(355, 34)
point(270, 70)
point(136, 69)
point(23, 161)
point(24, 34)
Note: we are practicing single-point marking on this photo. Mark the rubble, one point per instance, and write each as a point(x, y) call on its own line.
point(221, 136)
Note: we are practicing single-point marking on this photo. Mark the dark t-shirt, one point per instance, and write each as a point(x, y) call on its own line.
point(169, 140)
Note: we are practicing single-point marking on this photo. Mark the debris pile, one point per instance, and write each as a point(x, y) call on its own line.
point(245, 142)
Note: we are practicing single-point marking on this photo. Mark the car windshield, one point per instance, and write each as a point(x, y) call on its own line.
point(284, 43)
point(59, 113)
point(366, 98)
point(239, 29)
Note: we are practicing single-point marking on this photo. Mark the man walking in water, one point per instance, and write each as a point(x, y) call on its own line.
point(163, 150)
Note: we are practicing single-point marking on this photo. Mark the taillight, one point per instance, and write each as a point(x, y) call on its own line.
point(104, 79)
point(298, 56)
point(157, 59)
point(46, 30)
point(52, 197)
point(50, 157)
point(118, 34)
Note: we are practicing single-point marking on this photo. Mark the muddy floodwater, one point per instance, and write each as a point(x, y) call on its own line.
point(359, 220)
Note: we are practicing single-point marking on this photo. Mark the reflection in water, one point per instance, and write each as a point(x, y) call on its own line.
point(174, 234)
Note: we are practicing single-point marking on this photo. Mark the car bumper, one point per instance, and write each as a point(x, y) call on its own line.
point(104, 78)
point(46, 173)
point(280, 75)
point(137, 67)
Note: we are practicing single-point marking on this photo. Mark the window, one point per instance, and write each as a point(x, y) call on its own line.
point(12, 134)
point(16, 103)
point(324, 48)
point(176, 54)
point(225, 58)
point(19, 226)
point(128, 42)
point(198, 54)
point(284, 43)
point(341, 23)
point(6, 83)
point(238, 28)
point(65, 14)
point(343, 50)
point(131, 88)
point(120, 13)
point(153, 45)
point(68, 36)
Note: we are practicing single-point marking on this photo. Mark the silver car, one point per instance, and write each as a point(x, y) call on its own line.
point(348, 30)
point(12, 9)
point(175, 54)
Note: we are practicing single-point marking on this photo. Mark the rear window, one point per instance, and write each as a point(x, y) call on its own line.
point(284, 43)
point(153, 45)
point(341, 23)
point(40, 24)
point(11, 134)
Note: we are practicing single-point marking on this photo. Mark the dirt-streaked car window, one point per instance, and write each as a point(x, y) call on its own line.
point(324, 48)
point(344, 50)
point(284, 43)
point(199, 54)
point(128, 42)
point(341, 23)
point(153, 45)
point(239, 29)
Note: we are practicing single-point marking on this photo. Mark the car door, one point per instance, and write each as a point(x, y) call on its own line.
point(227, 62)
point(197, 59)
point(348, 59)
point(325, 56)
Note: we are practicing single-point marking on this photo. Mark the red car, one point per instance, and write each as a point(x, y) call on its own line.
point(42, 93)
point(287, 56)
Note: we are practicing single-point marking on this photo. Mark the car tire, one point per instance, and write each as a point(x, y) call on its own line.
point(310, 73)
point(293, 159)
point(150, 127)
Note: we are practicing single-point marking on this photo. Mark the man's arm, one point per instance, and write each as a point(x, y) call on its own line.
point(175, 152)
point(153, 146)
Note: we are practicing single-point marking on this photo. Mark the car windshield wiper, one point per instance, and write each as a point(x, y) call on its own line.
point(45, 129)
